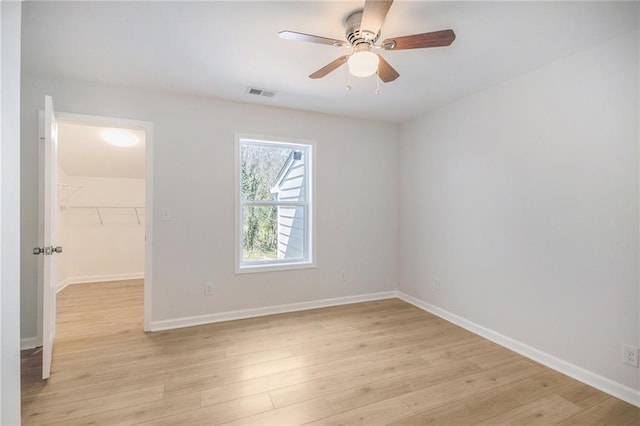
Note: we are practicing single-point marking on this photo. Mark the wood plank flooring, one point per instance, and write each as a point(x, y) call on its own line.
point(383, 362)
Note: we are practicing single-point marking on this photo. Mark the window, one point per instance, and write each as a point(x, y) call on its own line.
point(273, 204)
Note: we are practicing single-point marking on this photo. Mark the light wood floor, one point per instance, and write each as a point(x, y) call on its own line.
point(383, 362)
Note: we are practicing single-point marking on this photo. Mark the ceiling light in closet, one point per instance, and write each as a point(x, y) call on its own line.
point(120, 137)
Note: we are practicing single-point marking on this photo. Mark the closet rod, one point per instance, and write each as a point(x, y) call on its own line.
point(103, 207)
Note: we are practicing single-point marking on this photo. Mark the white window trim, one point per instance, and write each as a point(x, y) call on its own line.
point(277, 265)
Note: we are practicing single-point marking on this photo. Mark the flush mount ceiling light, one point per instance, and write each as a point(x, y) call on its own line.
point(363, 63)
point(120, 138)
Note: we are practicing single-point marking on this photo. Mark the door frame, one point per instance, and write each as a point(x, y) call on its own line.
point(147, 126)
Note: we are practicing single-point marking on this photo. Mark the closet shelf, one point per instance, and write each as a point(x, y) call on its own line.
point(66, 190)
point(136, 210)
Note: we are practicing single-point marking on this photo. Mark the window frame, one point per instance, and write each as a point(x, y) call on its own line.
point(309, 149)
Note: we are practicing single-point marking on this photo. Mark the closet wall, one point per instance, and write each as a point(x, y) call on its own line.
point(101, 224)
point(61, 234)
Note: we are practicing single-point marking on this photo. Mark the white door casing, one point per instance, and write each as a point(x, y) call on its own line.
point(49, 162)
point(105, 121)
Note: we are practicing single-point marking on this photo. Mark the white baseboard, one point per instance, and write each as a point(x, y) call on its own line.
point(615, 389)
point(29, 343)
point(270, 310)
point(99, 278)
point(62, 285)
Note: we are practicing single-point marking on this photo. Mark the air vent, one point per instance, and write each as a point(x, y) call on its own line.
point(260, 92)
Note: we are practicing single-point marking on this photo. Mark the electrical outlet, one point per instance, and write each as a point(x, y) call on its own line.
point(436, 284)
point(208, 289)
point(630, 355)
point(343, 276)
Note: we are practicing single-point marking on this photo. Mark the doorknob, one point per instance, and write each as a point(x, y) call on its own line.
point(47, 250)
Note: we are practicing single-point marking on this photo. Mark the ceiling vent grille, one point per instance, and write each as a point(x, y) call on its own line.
point(261, 92)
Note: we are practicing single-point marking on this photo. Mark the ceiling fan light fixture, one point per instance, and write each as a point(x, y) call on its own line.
point(362, 31)
point(363, 63)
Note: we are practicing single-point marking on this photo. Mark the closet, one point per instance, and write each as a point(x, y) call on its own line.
point(101, 195)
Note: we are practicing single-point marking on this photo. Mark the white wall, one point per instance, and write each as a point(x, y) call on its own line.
point(10, 15)
point(638, 122)
point(522, 200)
point(193, 148)
point(106, 250)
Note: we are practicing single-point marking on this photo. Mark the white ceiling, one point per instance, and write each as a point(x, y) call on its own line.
point(83, 152)
point(219, 49)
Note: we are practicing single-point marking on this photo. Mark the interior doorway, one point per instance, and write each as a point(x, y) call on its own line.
point(104, 204)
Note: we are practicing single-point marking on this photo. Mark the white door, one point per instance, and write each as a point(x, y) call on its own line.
point(49, 250)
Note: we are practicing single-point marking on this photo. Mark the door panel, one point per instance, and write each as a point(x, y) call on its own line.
point(50, 204)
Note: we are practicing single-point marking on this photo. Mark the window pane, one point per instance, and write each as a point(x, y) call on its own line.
point(259, 233)
point(261, 168)
point(273, 233)
point(273, 186)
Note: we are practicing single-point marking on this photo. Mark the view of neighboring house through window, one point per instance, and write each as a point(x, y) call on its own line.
point(274, 214)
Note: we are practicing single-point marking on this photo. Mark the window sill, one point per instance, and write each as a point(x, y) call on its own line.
point(271, 267)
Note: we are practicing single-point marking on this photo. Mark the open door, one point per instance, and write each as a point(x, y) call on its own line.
point(49, 138)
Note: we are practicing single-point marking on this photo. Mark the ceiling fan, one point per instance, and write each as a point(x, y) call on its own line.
point(362, 32)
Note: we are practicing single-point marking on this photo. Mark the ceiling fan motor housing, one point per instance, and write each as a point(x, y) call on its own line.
point(359, 38)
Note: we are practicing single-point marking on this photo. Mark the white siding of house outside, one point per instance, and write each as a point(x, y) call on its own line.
point(291, 229)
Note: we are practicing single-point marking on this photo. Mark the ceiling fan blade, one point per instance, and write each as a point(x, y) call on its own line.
point(373, 15)
point(330, 67)
point(418, 41)
point(385, 71)
point(292, 35)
